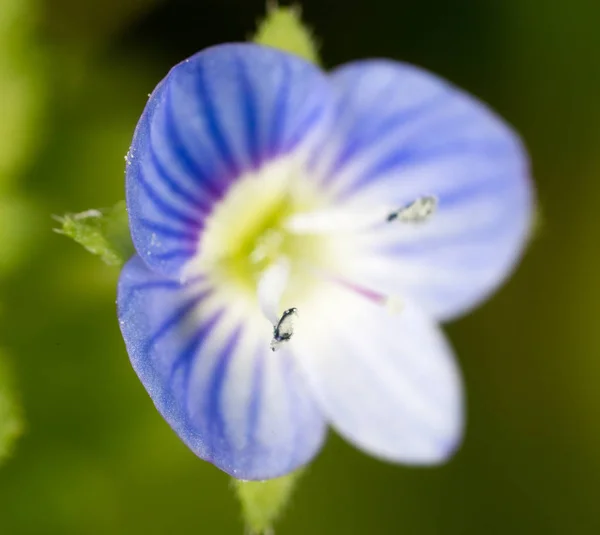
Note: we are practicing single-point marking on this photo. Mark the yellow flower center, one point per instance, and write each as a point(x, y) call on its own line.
point(246, 233)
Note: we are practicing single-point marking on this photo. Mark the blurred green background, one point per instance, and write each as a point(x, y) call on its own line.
point(96, 457)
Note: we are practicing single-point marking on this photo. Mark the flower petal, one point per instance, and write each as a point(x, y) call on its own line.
point(405, 134)
point(387, 382)
point(216, 116)
point(207, 366)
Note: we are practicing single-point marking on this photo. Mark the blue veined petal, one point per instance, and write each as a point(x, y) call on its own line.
point(219, 114)
point(207, 366)
point(404, 134)
point(386, 381)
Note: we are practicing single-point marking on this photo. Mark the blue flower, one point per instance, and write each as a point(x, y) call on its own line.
point(299, 236)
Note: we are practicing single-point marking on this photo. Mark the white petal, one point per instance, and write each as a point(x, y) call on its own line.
point(387, 382)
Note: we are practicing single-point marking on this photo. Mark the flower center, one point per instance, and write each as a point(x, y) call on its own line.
point(247, 232)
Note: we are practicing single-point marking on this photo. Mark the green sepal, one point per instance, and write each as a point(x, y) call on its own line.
point(283, 28)
point(263, 502)
point(102, 232)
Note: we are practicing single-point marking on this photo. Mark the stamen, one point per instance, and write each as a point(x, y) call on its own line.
point(284, 329)
point(352, 220)
point(418, 211)
point(271, 286)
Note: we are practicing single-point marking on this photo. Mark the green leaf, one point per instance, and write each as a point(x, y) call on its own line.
point(283, 28)
point(11, 419)
point(102, 232)
point(263, 502)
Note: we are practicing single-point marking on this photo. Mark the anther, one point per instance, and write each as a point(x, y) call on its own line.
point(418, 211)
point(283, 330)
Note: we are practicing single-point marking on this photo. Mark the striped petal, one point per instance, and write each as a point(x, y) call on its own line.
point(387, 382)
point(404, 134)
point(216, 117)
point(207, 366)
